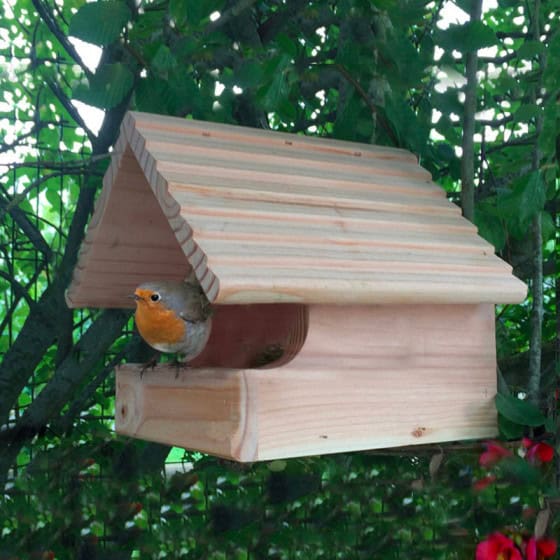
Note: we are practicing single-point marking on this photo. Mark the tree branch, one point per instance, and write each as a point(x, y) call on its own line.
point(20, 197)
point(70, 108)
point(496, 122)
point(5, 147)
point(467, 160)
point(537, 309)
point(29, 229)
point(67, 378)
point(135, 350)
point(18, 289)
point(51, 23)
point(39, 330)
point(364, 95)
point(515, 143)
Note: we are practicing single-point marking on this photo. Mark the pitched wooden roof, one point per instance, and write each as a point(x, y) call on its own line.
point(263, 216)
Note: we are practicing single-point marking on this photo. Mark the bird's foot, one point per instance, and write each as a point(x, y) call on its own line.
point(179, 365)
point(150, 364)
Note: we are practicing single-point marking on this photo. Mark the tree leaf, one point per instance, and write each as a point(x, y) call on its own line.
point(529, 49)
point(490, 226)
point(518, 411)
point(154, 96)
point(470, 36)
point(107, 88)
point(509, 429)
point(178, 11)
point(53, 196)
point(277, 89)
point(520, 470)
point(287, 45)
point(541, 523)
point(526, 112)
point(524, 201)
point(163, 60)
point(249, 74)
point(100, 22)
point(198, 11)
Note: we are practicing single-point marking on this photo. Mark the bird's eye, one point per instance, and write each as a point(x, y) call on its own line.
point(155, 297)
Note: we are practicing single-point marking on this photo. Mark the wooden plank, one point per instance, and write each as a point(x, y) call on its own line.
point(309, 214)
point(218, 175)
point(147, 123)
point(312, 216)
point(208, 403)
point(372, 277)
point(382, 172)
point(366, 377)
point(179, 148)
point(275, 235)
point(253, 177)
point(311, 147)
point(352, 264)
point(360, 201)
point(268, 286)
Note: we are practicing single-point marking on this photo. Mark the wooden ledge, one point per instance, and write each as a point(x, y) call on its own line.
point(201, 409)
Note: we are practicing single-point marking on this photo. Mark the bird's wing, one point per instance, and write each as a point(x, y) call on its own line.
point(197, 307)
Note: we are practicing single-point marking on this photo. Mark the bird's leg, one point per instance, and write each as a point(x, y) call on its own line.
point(150, 364)
point(179, 364)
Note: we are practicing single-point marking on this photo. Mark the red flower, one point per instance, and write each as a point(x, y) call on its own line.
point(494, 454)
point(537, 452)
point(540, 549)
point(497, 547)
point(483, 483)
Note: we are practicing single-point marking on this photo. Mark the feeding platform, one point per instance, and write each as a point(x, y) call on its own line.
point(354, 305)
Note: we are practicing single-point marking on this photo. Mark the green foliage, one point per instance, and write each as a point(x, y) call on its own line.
point(466, 37)
point(101, 22)
point(107, 87)
point(519, 411)
point(521, 203)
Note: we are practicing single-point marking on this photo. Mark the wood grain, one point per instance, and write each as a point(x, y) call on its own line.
point(366, 377)
point(265, 217)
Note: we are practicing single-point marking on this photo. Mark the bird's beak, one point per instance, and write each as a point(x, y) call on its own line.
point(135, 297)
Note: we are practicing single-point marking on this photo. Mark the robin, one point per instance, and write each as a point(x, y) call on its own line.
point(173, 317)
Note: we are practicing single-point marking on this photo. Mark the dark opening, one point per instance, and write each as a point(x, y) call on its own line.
point(254, 336)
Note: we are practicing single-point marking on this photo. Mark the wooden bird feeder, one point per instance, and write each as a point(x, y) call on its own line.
point(354, 306)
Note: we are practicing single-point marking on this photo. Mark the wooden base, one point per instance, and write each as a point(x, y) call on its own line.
point(366, 377)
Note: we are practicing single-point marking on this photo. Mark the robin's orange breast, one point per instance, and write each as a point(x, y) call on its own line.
point(158, 325)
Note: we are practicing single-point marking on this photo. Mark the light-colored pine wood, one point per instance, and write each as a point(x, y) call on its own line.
point(251, 185)
point(169, 146)
point(366, 377)
point(148, 123)
point(338, 288)
point(262, 217)
point(229, 157)
point(275, 233)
